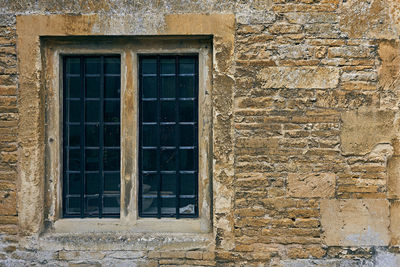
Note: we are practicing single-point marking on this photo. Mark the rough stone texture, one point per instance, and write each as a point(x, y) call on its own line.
point(355, 222)
point(311, 185)
point(302, 90)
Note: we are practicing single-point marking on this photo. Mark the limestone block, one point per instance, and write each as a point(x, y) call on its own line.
point(393, 167)
point(8, 205)
point(355, 222)
point(311, 185)
point(299, 77)
point(363, 130)
point(395, 223)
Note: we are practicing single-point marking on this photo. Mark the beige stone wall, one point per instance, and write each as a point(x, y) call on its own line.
point(306, 140)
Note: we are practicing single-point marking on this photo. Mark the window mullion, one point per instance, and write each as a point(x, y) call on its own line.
point(159, 200)
point(177, 169)
point(101, 137)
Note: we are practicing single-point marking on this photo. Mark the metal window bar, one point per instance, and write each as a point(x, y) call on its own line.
point(156, 197)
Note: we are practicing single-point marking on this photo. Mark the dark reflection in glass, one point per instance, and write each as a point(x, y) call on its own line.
point(111, 159)
point(73, 65)
point(111, 111)
point(186, 65)
point(186, 86)
point(187, 185)
point(168, 159)
point(187, 206)
point(92, 87)
point(149, 205)
point(74, 186)
point(74, 135)
point(150, 184)
point(92, 183)
point(92, 159)
point(74, 111)
point(92, 135)
point(168, 111)
point(74, 159)
point(149, 159)
point(168, 184)
point(111, 204)
point(92, 111)
point(167, 66)
point(149, 87)
point(168, 86)
point(150, 137)
point(112, 182)
point(111, 135)
point(149, 112)
point(167, 135)
point(168, 207)
point(74, 204)
point(186, 159)
point(112, 65)
point(74, 86)
point(92, 65)
point(186, 134)
point(112, 86)
point(149, 66)
point(186, 111)
point(92, 205)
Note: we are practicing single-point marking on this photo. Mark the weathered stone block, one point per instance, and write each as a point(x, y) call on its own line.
point(311, 185)
point(355, 222)
point(299, 77)
point(8, 203)
point(363, 130)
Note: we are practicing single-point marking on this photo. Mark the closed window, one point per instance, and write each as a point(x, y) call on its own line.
point(168, 129)
point(91, 136)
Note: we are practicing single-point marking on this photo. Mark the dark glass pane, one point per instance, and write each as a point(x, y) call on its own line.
point(186, 135)
point(168, 184)
point(74, 111)
point(111, 111)
point(168, 160)
point(186, 159)
point(92, 87)
point(111, 135)
point(92, 183)
point(92, 135)
point(74, 183)
point(149, 87)
point(186, 65)
point(74, 205)
point(112, 182)
point(74, 159)
point(73, 65)
point(112, 65)
point(74, 87)
point(149, 205)
point(186, 111)
point(168, 207)
point(168, 111)
point(112, 86)
point(150, 136)
point(111, 204)
point(92, 111)
point(92, 205)
point(149, 159)
point(74, 135)
point(168, 86)
point(149, 111)
point(92, 159)
point(111, 159)
point(187, 184)
point(149, 66)
point(167, 133)
point(186, 86)
point(150, 184)
point(167, 65)
point(187, 206)
point(92, 65)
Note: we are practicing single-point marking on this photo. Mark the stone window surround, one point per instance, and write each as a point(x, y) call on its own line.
point(31, 155)
point(128, 48)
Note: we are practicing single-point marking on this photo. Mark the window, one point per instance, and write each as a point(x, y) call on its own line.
point(91, 139)
point(168, 152)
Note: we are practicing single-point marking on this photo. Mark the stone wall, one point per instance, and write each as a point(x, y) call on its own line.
point(316, 140)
